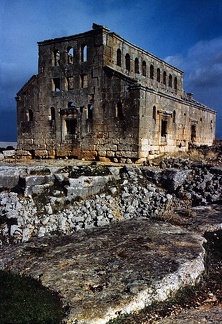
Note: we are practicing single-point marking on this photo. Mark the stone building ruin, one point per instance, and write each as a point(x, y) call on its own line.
point(98, 96)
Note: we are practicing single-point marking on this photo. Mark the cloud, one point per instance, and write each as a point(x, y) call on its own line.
point(207, 64)
point(202, 66)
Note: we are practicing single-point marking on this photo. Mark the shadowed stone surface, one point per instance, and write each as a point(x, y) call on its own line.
point(102, 272)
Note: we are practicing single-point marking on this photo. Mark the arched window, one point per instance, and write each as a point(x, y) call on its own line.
point(158, 75)
point(30, 115)
point(84, 53)
point(151, 71)
point(56, 57)
point(154, 113)
point(144, 68)
point(174, 116)
point(170, 81)
point(175, 83)
point(127, 62)
point(118, 57)
point(136, 65)
point(164, 77)
point(119, 110)
point(70, 53)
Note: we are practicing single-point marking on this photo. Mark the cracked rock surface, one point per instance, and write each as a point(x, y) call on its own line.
point(102, 272)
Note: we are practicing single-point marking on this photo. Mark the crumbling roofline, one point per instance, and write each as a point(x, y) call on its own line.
point(27, 84)
point(94, 31)
point(97, 29)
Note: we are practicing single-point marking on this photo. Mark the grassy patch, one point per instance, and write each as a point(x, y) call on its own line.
point(24, 300)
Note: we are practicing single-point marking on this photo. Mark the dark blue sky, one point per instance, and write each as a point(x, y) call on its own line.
point(187, 34)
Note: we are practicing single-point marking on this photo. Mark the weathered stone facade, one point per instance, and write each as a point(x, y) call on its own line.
point(98, 96)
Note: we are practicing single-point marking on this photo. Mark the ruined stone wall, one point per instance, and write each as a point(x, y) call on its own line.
point(98, 96)
point(178, 118)
point(69, 77)
point(102, 132)
point(27, 116)
point(205, 123)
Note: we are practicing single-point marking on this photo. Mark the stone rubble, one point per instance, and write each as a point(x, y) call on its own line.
point(43, 200)
point(89, 229)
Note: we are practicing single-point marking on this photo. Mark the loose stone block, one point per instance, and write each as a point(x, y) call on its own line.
point(9, 177)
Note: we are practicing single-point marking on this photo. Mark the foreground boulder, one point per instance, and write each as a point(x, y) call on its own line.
point(103, 272)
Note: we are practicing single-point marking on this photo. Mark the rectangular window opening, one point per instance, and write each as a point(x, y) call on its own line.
point(71, 126)
point(163, 128)
point(56, 85)
point(90, 111)
point(193, 133)
point(84, 81)
point(70, 82)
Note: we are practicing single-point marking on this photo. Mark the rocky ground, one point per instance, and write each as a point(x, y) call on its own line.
point(66, 196)
point(44, 198)
point(199, 304)
point(110, 270)
point(204, 305)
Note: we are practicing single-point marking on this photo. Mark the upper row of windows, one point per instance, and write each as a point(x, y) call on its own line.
point(171, 82)
point(70, 55)
point(84, 57)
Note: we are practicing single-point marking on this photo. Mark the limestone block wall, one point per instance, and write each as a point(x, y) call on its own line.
point(168, 125)
point(146, 68)
point(98, 96)
point(28, 118)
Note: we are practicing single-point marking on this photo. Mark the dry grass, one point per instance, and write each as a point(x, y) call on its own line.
point(196, 155)
point(211, 156)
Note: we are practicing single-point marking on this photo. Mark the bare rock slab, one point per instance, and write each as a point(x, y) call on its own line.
point(106, 271)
